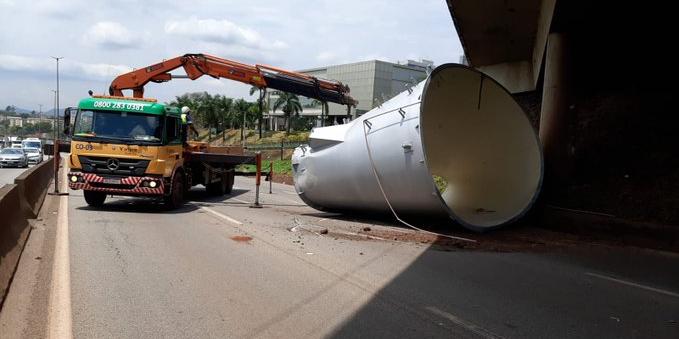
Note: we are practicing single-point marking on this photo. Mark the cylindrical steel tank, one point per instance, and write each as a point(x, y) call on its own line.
point(459, 125)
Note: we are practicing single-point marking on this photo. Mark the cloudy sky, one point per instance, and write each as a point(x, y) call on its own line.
point(101, 39)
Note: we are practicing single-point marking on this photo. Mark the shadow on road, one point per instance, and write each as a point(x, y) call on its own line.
point(155, 205)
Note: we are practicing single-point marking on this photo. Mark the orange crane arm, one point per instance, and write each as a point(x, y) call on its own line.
point(261, 76)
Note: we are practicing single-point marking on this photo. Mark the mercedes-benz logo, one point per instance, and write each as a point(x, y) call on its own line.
point(112, 164)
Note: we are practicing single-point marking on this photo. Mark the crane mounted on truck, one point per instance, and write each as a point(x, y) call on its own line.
point(133, 146)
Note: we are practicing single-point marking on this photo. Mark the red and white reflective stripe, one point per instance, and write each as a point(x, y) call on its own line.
point(137, 190)
point(132, 181)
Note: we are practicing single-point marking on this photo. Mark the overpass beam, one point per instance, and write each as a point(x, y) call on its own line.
point(554, 114)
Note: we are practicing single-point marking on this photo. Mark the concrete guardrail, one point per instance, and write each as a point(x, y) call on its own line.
point(18, 203)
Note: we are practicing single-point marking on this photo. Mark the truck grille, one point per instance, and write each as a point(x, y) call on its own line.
point(102, 165)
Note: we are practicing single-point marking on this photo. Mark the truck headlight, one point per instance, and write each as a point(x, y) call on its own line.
point(74, 178)
point(153, 184)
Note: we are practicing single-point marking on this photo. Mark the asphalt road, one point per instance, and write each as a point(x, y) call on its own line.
point(218, 268)
point(8, 174)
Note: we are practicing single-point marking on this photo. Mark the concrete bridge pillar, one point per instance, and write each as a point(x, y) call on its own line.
point(555, 111)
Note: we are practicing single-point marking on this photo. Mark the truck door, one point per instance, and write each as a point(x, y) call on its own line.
point(174, 148)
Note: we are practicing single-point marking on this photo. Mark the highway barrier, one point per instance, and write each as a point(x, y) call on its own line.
point(33, 184)
point(13, 234)
point(18, 203)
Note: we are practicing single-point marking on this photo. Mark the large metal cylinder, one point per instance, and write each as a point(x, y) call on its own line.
point(458, 125)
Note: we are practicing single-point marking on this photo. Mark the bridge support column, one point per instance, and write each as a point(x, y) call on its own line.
point(555, 111)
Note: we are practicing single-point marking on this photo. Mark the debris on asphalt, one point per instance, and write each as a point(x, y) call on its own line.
point(361, 253)
point(366, 229)
point(241, 238)
point(324, 231)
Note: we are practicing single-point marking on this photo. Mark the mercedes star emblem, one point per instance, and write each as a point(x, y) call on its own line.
point(112, 164)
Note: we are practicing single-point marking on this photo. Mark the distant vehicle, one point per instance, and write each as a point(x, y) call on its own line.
point(13, 157)
point(16, 146)
point(32, 143)
point(34, 154)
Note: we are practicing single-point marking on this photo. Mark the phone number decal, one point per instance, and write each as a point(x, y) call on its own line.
point(119, 105)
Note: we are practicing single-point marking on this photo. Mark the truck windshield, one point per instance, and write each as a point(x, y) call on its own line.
point(118, 125)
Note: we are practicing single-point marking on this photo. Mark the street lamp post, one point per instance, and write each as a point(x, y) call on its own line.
point(39, 120)
point(54, 125)
point(56, 111)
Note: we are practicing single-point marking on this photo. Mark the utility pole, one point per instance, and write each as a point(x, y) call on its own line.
point(56, 112)
point(39, 119)
point(54, 125)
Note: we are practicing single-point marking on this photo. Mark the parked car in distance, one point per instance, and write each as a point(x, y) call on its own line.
point(13, 157)
point(34, 154)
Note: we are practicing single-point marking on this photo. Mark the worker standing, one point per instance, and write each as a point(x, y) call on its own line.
point(187, 124)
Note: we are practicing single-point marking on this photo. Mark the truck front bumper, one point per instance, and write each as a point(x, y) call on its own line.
point(116, 184)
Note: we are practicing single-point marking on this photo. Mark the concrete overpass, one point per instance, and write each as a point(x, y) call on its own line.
point(595, 77)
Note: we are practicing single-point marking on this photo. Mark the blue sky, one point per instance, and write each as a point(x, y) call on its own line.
point(101, 39)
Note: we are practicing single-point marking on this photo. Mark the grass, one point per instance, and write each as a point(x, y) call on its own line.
point(232, 137)
point(279, 167)
point(441, 183)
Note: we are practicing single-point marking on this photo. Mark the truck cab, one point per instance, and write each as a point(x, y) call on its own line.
point(134, 147)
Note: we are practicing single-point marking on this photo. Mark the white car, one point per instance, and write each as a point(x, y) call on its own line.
point(34, 155)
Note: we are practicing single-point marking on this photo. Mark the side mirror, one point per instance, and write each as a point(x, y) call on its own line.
point(67, 120)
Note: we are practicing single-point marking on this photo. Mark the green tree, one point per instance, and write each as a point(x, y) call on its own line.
point(240, 110)
point(262, 106)
point(289, 104)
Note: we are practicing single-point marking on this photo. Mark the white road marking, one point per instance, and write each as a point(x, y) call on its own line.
point(478, 330)
point(629, 283)
point(239, 200)
point(60, 323)
point(225, 217)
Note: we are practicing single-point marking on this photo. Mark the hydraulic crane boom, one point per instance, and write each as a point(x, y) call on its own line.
point(262, 76)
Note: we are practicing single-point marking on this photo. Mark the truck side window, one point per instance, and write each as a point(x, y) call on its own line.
point(173, 129)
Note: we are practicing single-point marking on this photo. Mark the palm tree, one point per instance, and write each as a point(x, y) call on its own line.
point(260, 106)
point(289, 104)
point(240, 109)
point(224, 105)
point(324, 109)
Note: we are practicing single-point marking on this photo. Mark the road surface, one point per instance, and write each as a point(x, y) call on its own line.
point(8, 174)
point(219, 268)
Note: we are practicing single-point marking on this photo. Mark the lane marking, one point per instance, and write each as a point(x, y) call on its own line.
point(239, 200)
point(478, 330)
point(60, 322)
point(225, 217)
point(629, 283)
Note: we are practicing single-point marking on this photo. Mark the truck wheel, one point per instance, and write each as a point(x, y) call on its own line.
point(94, 198)
point(216, 188)
point(176, 197)
point(229, 182)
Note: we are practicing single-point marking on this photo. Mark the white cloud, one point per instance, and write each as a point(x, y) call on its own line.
point(222, 32)
point(326, 57)
point(109, 34)
point(68, 68)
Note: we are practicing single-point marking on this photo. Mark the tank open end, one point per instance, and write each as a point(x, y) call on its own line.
point(481, 145)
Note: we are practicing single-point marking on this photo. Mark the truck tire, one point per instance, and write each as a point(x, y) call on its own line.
point(229, 182)
point(175, 199)
point(217, 188)
point(94, 198)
